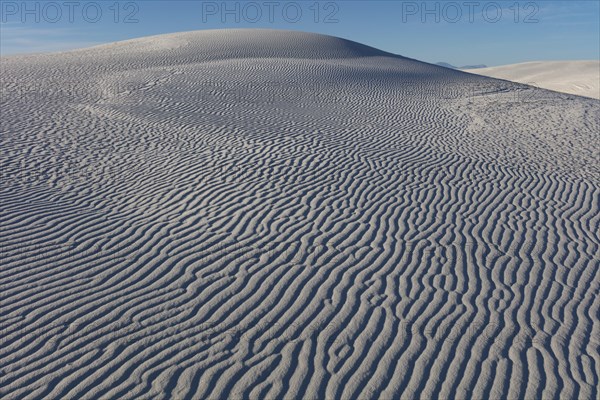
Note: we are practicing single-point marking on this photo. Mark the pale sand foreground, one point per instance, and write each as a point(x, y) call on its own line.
point(575, 77)
point(269, 214)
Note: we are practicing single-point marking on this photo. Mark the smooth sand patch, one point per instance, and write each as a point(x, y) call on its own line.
point(575, 77)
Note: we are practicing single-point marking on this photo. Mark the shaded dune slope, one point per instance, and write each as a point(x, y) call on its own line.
point(271, 214)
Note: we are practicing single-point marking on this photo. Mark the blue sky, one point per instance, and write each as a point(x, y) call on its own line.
point(458, 32)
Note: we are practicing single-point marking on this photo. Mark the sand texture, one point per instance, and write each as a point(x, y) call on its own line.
point(270, 214)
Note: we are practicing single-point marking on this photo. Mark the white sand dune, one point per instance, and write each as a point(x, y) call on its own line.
point(270, 214)
point(575, 77)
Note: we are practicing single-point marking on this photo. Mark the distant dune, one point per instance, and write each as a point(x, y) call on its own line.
point(445, 64)
point(575, 77)
point(261, 214)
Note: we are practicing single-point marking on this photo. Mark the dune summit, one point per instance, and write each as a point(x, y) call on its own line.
point(271, 214)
